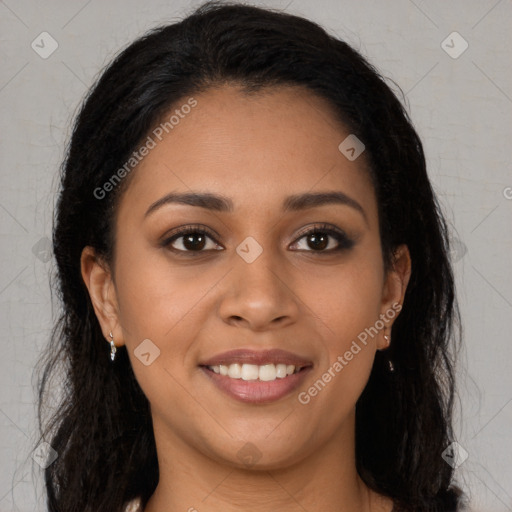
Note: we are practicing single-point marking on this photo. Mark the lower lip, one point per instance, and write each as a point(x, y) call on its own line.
point(256, 391)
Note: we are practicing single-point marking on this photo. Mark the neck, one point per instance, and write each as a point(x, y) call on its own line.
point(192, 481)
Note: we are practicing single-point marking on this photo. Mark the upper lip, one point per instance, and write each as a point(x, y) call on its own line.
point(262, 357)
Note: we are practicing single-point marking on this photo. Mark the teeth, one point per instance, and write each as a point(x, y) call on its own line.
point(234, 371)
point(266, 373)
point(249, 372)
point(281, 370)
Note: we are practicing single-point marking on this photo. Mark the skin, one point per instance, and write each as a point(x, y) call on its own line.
point(256, 150)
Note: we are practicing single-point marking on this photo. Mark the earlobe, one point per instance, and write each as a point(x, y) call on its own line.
point(98, 280)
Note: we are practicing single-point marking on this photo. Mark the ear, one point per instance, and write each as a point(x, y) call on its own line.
point(393, 292)
point(99, 282)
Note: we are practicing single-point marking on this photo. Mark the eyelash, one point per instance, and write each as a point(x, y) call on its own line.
point(344, 242)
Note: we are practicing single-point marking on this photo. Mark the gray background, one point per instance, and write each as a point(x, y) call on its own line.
point(460, 106)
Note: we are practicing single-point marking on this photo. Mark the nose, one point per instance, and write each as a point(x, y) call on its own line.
point(259, 294)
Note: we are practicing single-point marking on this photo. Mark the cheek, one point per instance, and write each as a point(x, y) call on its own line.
point(347, 313)
point(349, 307)
point(168, 305)
point(165, 306)
point(349, 301)
point(153, 295)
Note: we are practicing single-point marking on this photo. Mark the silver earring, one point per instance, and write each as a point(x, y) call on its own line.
point(113, 348)
point(390, 363)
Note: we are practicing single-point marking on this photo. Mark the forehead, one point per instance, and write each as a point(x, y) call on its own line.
point(255, 148)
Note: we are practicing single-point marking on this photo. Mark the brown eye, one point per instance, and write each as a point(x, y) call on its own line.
point(190, 239)
point(325, 239)
point(193, 241)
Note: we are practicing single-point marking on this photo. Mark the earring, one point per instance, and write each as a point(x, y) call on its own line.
point(113, 348)
point(390, 363)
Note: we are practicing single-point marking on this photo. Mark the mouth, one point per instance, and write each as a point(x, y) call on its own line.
point(256, 377)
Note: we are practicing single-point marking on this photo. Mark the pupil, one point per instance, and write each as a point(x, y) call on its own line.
point(191, 245)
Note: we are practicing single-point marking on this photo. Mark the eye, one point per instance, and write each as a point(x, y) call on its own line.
point(190, 239)
point(194, 239)
point(319, 237)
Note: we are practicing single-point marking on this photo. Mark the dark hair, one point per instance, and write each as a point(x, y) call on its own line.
point(102, 429)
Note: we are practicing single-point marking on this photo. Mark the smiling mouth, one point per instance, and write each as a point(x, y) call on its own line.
point(257, 376)
point(256, 384)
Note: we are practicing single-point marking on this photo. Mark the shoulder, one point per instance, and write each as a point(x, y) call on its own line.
point(134, 506)
point(381, 503)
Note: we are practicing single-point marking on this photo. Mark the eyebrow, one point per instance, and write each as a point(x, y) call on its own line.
point(292, 203)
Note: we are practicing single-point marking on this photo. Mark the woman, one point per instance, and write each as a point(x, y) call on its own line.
point(246, 219)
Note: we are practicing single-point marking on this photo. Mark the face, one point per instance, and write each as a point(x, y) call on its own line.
point(268, 278)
